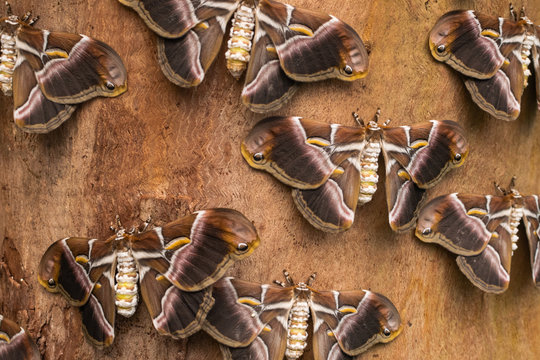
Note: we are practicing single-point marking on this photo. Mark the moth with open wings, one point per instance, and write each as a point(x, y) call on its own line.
point(493, 54)
point(333, 168)
point(268, 322)
point(282, 45)
point(482, 230)
point(15, 343)
point(49, 73)
point(174, 265)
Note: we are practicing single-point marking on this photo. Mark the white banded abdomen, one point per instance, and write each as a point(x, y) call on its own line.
point(239, 44)
point(515, 218)
point(126, 291)
point(369, 164)
point(297, 329)
point(525, 53)
point(8, 58)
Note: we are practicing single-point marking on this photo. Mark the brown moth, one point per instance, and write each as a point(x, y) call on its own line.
point(173, 265)
point(332, 168)
point(482, 230)
point(269, 322)
point(493, 54)
point(49, 73)
point(15, 343)
point(275, 44)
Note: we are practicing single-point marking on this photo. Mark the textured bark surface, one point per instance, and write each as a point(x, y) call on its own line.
point(164, 151)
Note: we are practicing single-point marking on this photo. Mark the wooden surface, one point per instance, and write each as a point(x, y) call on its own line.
point(164, 151)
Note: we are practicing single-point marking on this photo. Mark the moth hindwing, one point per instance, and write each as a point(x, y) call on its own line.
point(15, 343)
point(275, 44)
point(174, 266)
point(49, 73)
point(494, 56)
point(254, 321)
point(333, 168)
point(482, 230)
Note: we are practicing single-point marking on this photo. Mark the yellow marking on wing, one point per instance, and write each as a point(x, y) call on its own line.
point(506, 62)
point(419, 144)
point(81, 259)
point(535, 233)
point(495, 235)
point(338, 171)
point(347, 309)
point(97, 286)
point(318, 142)
point(4, 337)
point(330, 333)
point(57, 53)
point(160, 277)
point(249, 301)
point(403, 175)
point(271, 49)
point(301, 29)
point(202, 25)
point(177, 243)
point(267, 329)
point(476, 212)
point(490, 33)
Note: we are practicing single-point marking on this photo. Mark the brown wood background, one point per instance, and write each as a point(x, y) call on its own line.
point(164, 151)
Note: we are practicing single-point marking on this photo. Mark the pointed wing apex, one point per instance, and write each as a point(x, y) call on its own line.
point(15, 343)
point(313, 46)
point(531, 218)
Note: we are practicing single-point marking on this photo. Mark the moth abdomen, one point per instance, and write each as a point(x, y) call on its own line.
point(126, 290)
point(515, 218)
point(297, 329)
point(369, 164)
point(239, 45)
point(8, 59)
point(525, 54)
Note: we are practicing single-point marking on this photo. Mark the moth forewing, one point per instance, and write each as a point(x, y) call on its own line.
point(15, 343)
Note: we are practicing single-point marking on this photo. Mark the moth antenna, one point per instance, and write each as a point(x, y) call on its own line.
point(357, 118)
point(512, 12)
point(522, 12)
point(9, 11)
point(26, 16)
point(499, 188)
point(311, 279)
point(512, 183)
point(280, 283)
point(33, 21)
point(147, 223)
point(288, 277)
point(387, 122)
point(377, 115)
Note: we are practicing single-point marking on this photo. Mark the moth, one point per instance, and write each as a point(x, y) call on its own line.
point(49, 73)
point(482, 230)
point(493, 55)
point(174, 266)
point(274, 43)
point(254, 321)
point(15, 343)
point(333, 168)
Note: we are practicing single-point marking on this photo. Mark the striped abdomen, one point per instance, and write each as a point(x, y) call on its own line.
point(525, 53)
point(239, 44)
point(8, 58)
point(369, 165)
point(126, 291)
point(297, 329)
point(515, 218)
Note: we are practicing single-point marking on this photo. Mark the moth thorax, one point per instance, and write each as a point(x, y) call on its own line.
point(369, 164)
point(126, 291)
point(515, 218)
point(525, 60)
point(239, 44)
point(8, 58)
point(297, 329)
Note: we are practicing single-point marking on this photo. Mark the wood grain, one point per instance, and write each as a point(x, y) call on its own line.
point(164, 151)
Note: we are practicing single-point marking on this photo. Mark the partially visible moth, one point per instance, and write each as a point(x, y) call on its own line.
point(49, 73)
point(15, 343)
point(493, 54)
point(482, 230)
point(174, 266)
point(276, 44)
point(333, 168)
point(263, 322)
